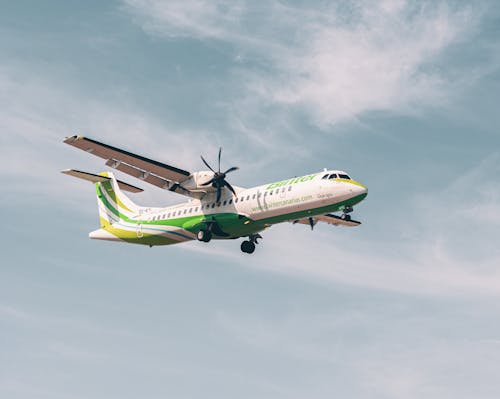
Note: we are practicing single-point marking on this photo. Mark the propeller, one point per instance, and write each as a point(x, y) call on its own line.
point(219, 180)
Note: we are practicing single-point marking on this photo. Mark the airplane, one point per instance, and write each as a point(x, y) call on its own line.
point(216, 209)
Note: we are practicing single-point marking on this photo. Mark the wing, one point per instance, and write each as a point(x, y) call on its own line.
point(330, 219)
point(98, 178)
point(156, 173)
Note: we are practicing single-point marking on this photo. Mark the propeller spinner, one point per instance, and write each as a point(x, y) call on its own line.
point(219, 180)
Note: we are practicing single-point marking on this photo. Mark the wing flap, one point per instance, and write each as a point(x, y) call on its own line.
point(147, 165)
point(98, 178)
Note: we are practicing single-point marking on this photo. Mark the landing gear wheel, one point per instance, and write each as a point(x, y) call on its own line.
point(204, 235)
point(346, 217)
point(248, 247)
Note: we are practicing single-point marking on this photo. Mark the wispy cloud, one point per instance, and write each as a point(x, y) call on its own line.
point(333, 61)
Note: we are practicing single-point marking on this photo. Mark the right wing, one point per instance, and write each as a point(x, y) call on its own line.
point(330, 219)
point(156, 173)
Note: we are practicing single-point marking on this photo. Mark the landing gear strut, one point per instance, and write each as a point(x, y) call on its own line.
point(249, 246)
point(345, 215)
point(204, 235)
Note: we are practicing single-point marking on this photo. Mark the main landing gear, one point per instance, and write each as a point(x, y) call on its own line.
point(204, 235)
point(249, 246)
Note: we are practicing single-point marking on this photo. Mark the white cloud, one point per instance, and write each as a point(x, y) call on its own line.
point(198, 18)
point(335, 61)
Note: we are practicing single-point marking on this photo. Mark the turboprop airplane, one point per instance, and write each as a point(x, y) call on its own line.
point(216, 209)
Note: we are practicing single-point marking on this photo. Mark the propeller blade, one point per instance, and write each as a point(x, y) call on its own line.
point(231, 169)
point(206, 163)
point(311, 222)
point(219, 193)
point(220, 150)
point(229, 187)
point(208, 182)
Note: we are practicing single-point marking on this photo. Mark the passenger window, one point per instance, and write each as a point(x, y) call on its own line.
point(218, 204)
point(253, 196)
point(265, 194)
point(248, 197)
point(289, 188)
point(185, 210)
point(283, 190)
point(225, 202)
point(242, 199)
point(231, 201)
point(277, 191)
point(236, 200)
point(271, 192)
point(213, 205)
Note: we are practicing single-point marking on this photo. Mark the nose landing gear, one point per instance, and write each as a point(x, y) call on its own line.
point(249, 246)
point(347, 210)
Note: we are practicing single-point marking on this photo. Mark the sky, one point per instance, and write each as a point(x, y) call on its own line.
point(403, 95)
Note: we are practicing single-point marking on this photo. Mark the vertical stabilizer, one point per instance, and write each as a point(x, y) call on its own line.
point(113, 205)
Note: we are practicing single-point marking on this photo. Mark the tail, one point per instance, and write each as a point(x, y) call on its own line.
point(113, 205)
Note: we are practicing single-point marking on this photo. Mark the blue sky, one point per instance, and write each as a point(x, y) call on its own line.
point(401, 94)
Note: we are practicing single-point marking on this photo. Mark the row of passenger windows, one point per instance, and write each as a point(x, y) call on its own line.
point(218, 204)
point(335, 176)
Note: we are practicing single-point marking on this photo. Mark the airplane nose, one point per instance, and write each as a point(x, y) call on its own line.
point(363, 189)
point(359, 189)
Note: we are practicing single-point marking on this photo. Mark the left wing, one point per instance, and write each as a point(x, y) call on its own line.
point(328, 218)
point(156, 173)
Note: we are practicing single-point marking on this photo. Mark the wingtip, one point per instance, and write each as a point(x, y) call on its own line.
point(70, 139)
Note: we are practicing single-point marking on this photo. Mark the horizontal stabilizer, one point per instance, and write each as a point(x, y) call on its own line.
point(98, 178)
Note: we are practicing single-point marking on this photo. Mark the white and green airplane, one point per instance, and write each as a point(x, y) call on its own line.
point(216, 210)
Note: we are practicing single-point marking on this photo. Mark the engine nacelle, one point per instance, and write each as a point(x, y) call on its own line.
point(195, 181)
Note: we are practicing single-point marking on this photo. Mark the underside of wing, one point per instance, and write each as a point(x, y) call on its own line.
point(328, 218)
point(153, 172)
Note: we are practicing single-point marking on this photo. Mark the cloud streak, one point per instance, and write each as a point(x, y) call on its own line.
point(336, 62)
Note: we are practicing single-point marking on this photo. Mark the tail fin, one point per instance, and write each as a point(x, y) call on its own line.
point(112, 203)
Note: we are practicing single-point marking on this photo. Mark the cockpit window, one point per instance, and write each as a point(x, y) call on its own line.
point(333, 176)
point(325, 176)
point(344, 177)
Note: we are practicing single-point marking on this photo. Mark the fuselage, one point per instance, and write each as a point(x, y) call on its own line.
point(249, 212)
